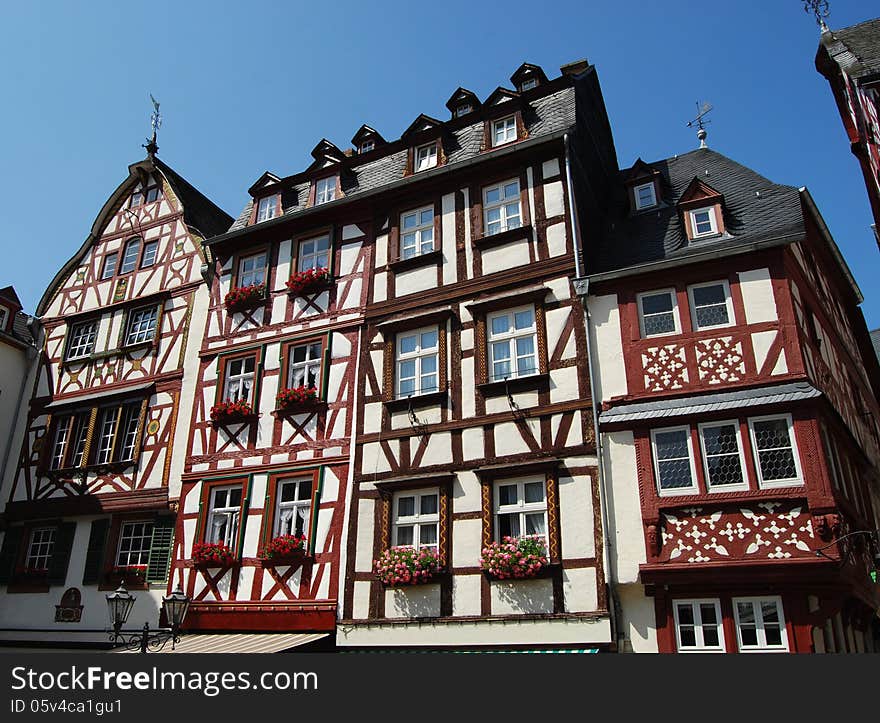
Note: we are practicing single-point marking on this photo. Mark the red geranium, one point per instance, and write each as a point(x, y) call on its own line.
point(406, 565)
point(227, 411)
point(284, 546)
point(242, 296)
point(294, 396)
point(212, 553)
point(309, 281)
point(515, 557)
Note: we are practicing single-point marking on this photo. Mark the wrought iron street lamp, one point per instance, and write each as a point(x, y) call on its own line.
point(119, 605)
point(873, 541)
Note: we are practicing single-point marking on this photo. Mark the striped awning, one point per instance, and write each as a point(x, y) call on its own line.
point(237, 643)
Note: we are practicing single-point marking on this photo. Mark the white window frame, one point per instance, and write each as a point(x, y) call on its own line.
point(251, 270)
point(503, 202)
point(418, 232)
point(417, 356)
point(108, 422)
point(325, 190)
point(521, 508)
point(233, 515)
point(675, 315)
point(511, 337)
point(367, 146)
point(762, 646)
point(145, 543)
point(131, 251)
point(528, 84)
point(141, 325)
point(728, 302)
point(4, 316)
point(713, 222)
point(638, 201)
point(296, 504)
point(744, 485)
point(463, 109)
point(108, 270)
point(267, 208)
point(60, 442)
point(77, 348)
point(701, 647)
point(503, 131)
point(305, 261)
point(764, 484)
point(675, 491)
point(233, 382)
point(46, 547)
point(306, 365)
point(425, 157)
point(417, 520)
point(147, 261)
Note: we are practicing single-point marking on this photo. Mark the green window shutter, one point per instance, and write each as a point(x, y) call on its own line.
point(95, 551)
point(9, 553)
point(61, 553)
point(160, 549)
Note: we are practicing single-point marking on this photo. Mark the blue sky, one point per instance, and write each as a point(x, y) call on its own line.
point(248, 87)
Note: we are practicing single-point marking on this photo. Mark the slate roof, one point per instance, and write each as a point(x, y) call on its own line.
point(703, 403)
point(199, 211)
point(863, 41)
point(875, 340)
point(542, 116)
point(755, 209)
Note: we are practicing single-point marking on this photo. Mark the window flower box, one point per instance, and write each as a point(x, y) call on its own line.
point(212, 554)
point(32, 574)
point(227, 412)
point(515, 557)
point(244, 297)
point(292, 399)
point(131, 575)
point(310, 281)
point(284, 550)
point(406, 565)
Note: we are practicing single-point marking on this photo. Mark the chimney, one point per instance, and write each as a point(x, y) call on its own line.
point(575, 68)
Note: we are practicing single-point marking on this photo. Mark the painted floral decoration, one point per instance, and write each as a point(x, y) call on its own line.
point(230, 411)
point(308, 281)
point(295, 396)
point(284, 546)
point(515, 557)
point(212, 553)
point(243, 296)
point(406, 565)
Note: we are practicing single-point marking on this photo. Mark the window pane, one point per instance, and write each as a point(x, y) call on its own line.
point(288, 492)
point(672, 444)
point(405, 535)
point(707, 613)
point(493, 195)
point(511, 189)
point(408, 344)
point(712, 316)
point(657, 303)
point(428, 505)
point(109, 265)
point(710, 636)
point(685, 614)
point(429, 365)
point(149, 253)
point(724, 470)
point(769, 611)
point(525, 346)
point(687, 636)
point(234, 497)
point(534, 491)
point(771, 433)
point(535, 524)
point(524, 319)
point(773, 634)
point(427, 534)
point(659, 324)
point(746, 613)
point(507, 495)
point(704, 295)
point(508, 526)
point(406, 506)
point(500, 324)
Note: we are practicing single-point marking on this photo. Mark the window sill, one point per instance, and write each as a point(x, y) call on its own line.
point(437, 578)
point(548, 571)
point(245, 305)
point(503, 237)
point(149, 344)
point(431, 258)
point(297, 558)
point(303, 408)
point(131, 580)
point(198, 565)
point(416, 401)
point(532, 382)
point(28, 583)
point(239, 419)
point(310, 290)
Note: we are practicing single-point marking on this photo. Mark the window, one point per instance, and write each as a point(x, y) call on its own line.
point(645, 196)
point(463, 109)
point(314, 254)
point(416, 518)
point(239, 380)
point(141, 325)
point(723, 459)
point(137, 199)
point(40, 549)
point(266, 208)
point(149, 257)
point(4, 315)
point(520, 508)
point(528, 84)
point(698, 626)
point(117, 433)
point(426, 157)
point(305, 365)
point(109, 265)
point(658, 313)
point(673, 460)
point(367, 146)
point(82, 339)
point(252, 270)
point(760, 625)
point(703, 222)
point(503, 131)
point(325, 190)
point(130, 256)
point(501, 209)
point(114, 438)
point(135, 540)
point(513, 344)
point(68, 447)
point(711, 306)
point(224, 511)
point(416, 232)
point(417, 362)
point(293, 508)
point(773, 442)
point(154, 193)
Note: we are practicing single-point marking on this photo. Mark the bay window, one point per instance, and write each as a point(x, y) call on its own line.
point(774, 445)
point(673, 460)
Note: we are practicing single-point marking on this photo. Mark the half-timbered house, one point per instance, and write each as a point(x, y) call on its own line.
point(473, 420)
point(91, 500)
point(739, 412)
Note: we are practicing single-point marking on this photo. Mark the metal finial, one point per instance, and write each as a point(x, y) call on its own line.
point(699, 122)
point(155, 123)
point(818, 9)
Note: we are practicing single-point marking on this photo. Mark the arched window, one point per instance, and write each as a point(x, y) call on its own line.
point(130, 257)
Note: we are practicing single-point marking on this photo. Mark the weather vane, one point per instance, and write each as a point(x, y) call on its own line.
point(155, 123)
point(820, 10)
point(702, 110)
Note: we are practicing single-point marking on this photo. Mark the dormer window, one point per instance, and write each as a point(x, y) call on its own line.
point(426, 157)
point(4, 317)
point(703, 222)
point(528, 84)
point(503, 130)
point(267, 208)
point(463, 109)
point(367, 146)
point(325, 190)
point(141, 196)
point(645, 196)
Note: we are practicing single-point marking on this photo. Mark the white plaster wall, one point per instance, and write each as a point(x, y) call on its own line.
point(447, 231)
point(550, 168)
point(466, 492)
point(361, 599)
point(518, 597)
point(554, 199)
point(508, 440)
point(466, 594)
point(506, 256)
point(624, 509)
point(757, 292)
point(418, 601)
point(579, 590)
point(637, 620)
point(363, 561)
point(556, 239)
point(563, 384)
point(576, 517)
point(607, 346)
point(466, 545)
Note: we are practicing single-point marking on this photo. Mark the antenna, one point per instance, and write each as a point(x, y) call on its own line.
point(155, 123)
point(702, 110)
